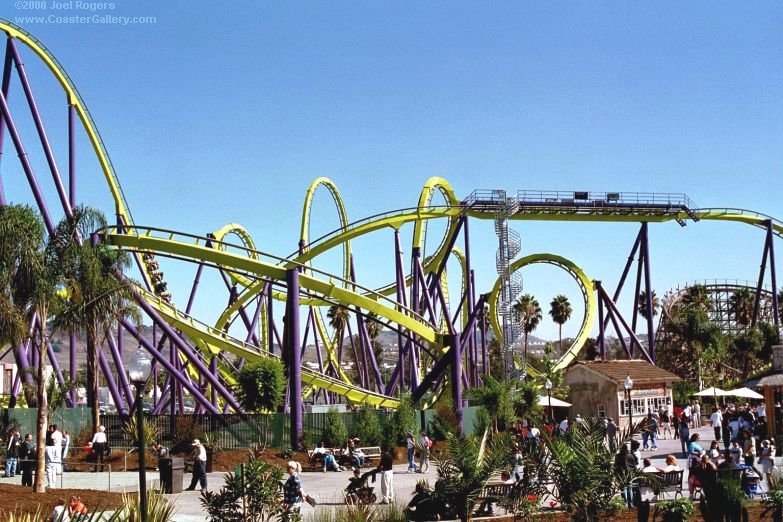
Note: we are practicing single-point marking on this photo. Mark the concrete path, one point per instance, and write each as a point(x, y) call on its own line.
point(327, 487)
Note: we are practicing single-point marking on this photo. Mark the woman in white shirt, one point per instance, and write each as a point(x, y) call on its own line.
point(99, 442)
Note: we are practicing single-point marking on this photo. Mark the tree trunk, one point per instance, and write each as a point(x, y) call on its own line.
point(92, 380)
point(560, 334)
point(39, 486)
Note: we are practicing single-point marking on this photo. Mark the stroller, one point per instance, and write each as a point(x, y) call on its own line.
point(358, 491)
point(751, 484)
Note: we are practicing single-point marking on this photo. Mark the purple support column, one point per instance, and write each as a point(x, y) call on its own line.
point(760, 284)
point(773, 277)
point(39, 127)
point(270, 320)
point(214, 370)
point(601, 323)
point(455, 356)
point(187, 351)
point(170, 369)
point(613, 309)
point(120, 367)
point(5, 85)
point(111, 383)
point(400, 300)
point(648, 292)
point(291, 336)
point(28, 169)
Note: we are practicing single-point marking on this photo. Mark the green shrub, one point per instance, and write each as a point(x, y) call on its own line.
point(158, 508)
point(677, 510)
point(261, 385)
point(334, 434)
point(263, 495)
point(367, 427)
point(402, 420)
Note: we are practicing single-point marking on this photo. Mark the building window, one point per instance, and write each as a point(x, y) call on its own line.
point(601, 411)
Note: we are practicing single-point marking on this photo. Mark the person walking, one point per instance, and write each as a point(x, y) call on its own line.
point(717, 421)
point(98, 444)
point(53, 455)
point(293, 496)
point(12, 452)
point(411, 445)
point(387, 476)
point(27, 454)
point(199, 456)
point(424, 452)
point(685, 436)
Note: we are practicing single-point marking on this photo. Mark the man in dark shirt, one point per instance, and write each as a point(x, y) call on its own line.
point(387, 476)
point(27, 456)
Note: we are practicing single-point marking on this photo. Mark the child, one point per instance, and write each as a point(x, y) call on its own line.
point(58, 513)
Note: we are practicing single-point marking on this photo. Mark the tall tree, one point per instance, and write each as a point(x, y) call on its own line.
point(374, 329)
point(528, 312)
point(96, 294)
point(29, 277)
point(641, 307)
point(560, 312)
point(338, 316)
point(742, 302)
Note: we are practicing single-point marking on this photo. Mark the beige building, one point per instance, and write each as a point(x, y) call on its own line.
point(598, 389)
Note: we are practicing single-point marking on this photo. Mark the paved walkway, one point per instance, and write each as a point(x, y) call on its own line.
point(327, 487)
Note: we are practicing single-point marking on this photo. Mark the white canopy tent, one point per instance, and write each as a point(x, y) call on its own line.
point(543, 400)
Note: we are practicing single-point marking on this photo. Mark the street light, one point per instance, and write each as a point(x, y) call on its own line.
point(548, 386)
point(139, 371)
point(628, 387)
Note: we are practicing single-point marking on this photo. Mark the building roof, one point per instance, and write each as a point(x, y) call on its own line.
point(641, 372)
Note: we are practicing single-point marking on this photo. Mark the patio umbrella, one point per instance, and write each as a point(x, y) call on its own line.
point(712, 392)
point(746, 393)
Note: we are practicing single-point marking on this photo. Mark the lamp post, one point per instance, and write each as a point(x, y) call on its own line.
point(548, 386)
point(628, 387)
point(139, 371)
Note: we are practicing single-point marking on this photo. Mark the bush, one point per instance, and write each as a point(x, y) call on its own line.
point(334, 434)
point(263, 495)
point(677, 510)
point(261, 385)
point(402, 420)
point(367, 427)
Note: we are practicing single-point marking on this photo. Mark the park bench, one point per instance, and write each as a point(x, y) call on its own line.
point(372, 453)
point(662, 483)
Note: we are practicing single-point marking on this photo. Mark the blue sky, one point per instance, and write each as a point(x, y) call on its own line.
point(225, 111)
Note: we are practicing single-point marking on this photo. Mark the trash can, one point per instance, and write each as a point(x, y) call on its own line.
point(171, 472)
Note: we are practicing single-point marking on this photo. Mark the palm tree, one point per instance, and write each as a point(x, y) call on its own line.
point(29, 276)
point(465, 468)
point(338, 319)
point(96, 294)
point(697, 298)
point(496, 398)
point(374, 329)
point(742, 302)
point(560, 312)
point(528, 312)
point(641, 307)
